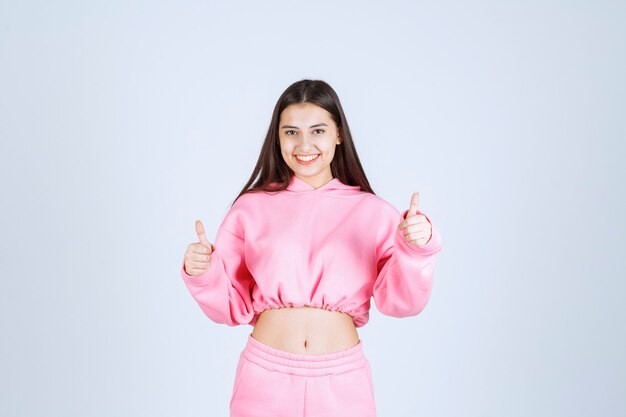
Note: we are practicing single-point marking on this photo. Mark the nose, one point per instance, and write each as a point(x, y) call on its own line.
point(306, 142)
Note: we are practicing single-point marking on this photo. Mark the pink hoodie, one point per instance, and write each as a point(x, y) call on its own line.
point(333, 247)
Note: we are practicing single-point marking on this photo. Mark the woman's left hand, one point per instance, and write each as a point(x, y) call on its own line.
point(417, 229)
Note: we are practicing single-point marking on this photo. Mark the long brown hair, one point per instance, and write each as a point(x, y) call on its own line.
point(271, 167)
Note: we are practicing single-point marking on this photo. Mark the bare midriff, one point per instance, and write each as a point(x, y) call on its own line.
point(305, 330)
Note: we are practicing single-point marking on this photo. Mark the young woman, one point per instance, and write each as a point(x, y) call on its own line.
point(299, 255)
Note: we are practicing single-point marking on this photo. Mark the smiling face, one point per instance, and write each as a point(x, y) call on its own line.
point(308, 131)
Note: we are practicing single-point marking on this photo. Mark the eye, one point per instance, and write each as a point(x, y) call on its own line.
point(321, 130)
point(287, 132)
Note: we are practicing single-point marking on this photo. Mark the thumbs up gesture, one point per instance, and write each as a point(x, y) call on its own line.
point(198, 254)
point(416, 228)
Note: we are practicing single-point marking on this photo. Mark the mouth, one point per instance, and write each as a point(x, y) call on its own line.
point(307, 159)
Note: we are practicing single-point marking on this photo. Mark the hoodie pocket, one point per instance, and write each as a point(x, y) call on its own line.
point(239, 375)
point(371, 383)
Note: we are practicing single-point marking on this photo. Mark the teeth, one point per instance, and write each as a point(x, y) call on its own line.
point(307, 158)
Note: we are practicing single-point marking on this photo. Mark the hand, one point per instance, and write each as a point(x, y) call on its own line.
point(417, 229)
point(198, 255)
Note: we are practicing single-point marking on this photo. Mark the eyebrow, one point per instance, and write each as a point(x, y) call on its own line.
point(296, 127)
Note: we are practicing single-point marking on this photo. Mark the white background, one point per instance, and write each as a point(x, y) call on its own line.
point(122, 122)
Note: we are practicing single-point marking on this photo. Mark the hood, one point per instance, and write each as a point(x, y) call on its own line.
point(334, 186)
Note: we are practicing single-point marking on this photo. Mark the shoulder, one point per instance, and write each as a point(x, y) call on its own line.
point(381, 206)
point(381, 216)
point(234, 219)
point(245, 201)
point(241, 212)
point(249, 201)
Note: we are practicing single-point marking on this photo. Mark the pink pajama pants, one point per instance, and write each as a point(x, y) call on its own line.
point(274, 383)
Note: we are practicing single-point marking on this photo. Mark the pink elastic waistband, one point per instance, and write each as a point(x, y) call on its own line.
point(305, 364)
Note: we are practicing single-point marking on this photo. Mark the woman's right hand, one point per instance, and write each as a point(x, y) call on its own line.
point(198, 254)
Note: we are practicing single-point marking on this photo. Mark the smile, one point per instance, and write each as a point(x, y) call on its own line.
point(306, 160)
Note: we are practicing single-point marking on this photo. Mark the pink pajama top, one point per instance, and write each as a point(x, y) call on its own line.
point(332, 247)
